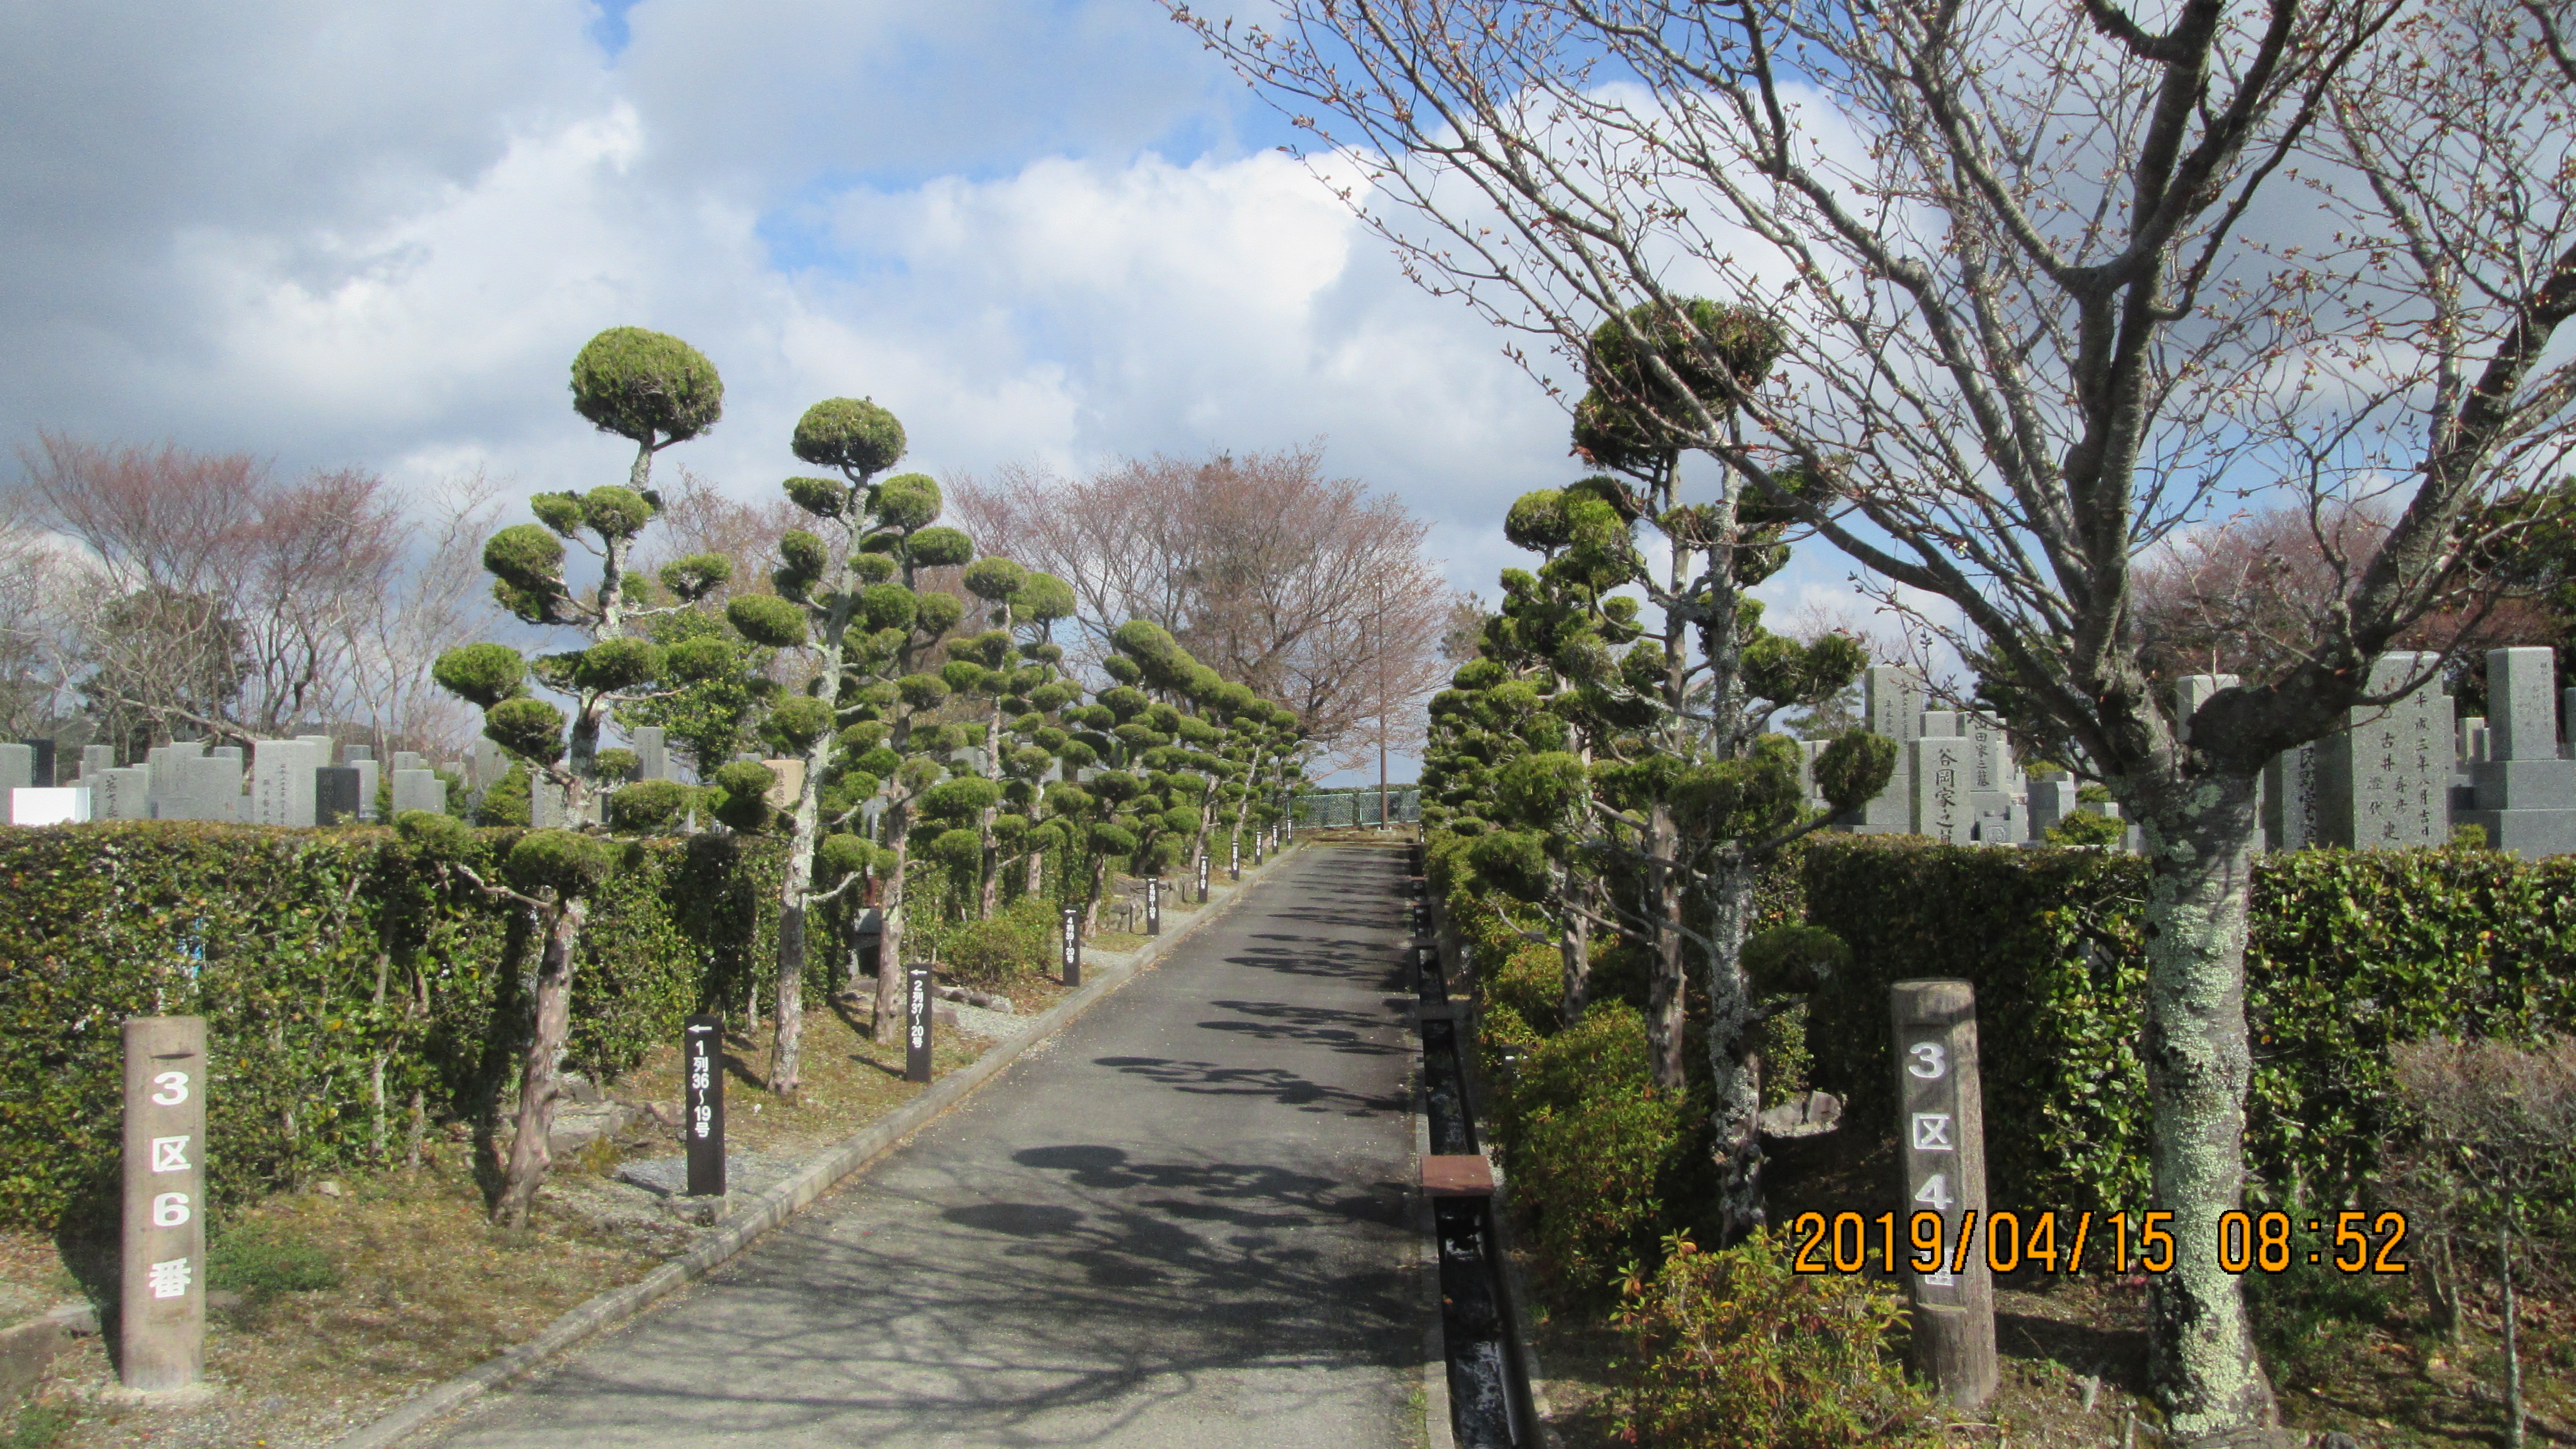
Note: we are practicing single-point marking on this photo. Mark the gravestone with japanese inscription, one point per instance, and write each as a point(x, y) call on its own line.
point(2383, 781)
point(1943, 771)
point(282, 781)
point(419, 790)
point(336, 794)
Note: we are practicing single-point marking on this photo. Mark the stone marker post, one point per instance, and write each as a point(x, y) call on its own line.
point(161, 1326)
point(1940, 1123)
point(702, 1104)
point(916, 1035)
point(1072, 946)
point(1234, 857)
point(1153, 905)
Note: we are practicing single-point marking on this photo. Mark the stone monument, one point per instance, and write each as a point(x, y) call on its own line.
point(2524, 794)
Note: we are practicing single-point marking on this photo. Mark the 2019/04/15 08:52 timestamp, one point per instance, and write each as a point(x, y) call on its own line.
point(2247, 1242)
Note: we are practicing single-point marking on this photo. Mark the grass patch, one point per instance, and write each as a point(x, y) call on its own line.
point(262, 1260)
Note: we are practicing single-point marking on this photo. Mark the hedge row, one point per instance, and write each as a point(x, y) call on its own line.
point(2350, 952)
point(342, 983)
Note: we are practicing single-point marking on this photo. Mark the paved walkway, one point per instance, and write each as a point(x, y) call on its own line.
point(1182, 1222)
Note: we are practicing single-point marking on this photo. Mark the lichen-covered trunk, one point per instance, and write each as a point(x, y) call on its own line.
point(1666, 989)
point(2199, 839)
point(540, 1075)
point(1735, 1075)
point(887, 1028)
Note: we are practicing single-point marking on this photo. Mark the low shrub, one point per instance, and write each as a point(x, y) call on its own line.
point(1732, 1350)
point(1590, 1142)
point(1018, 942)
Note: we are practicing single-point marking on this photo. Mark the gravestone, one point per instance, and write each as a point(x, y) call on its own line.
point(121, 794)
point(335, 795)
point(168, 765)
point(2523, 794)
point(2051, 801)
point(545, 803)
point(409, 760)
point(215, 786)
point(95, 759)
point(2383, 781)
point(368, 781)
point(1996, 790)
point(352, 754)
point(281, 782)
point(17, 767)
point(652, 753)
point(2473, 740)
point(1941, 776)
point(419, 790)
point(41, 766)
point(1892, 705)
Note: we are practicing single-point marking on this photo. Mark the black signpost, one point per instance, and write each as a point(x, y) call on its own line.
point(1234, 858)
point(1203, 884)
point(702, 1104)
point(1153, 905)
point(916, 1026)
point(1072, 947)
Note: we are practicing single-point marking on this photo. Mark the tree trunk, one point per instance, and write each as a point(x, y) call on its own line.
point(2512, 1339)
point(887, 1029)
point(2199, 839)
point(1666, 991)
point(1735, 1070)
point(540, 1080)
point(1574, 948)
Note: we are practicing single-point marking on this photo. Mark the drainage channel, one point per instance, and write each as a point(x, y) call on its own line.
point(1489, 1395)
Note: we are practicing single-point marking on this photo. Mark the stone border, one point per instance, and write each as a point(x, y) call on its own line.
point(746, 1224)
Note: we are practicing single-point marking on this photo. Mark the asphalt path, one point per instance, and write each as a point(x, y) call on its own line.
point(1183, 1221)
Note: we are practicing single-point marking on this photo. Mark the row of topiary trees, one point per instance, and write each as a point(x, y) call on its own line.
point(935, 731)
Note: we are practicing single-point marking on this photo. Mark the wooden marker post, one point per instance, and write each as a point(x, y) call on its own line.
point(161, 1325)
point(1153, 905)
point(1940, 1127)
point(702, 1104)
point(916, 1036)
point(1072, 946)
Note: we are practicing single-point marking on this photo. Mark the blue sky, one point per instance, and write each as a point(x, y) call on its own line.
point(374, 234)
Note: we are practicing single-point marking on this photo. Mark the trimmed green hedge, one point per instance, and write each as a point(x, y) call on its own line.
point(341, 981)
point(2350, 952)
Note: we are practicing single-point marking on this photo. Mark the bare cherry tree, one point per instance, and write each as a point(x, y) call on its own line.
point(211, 596)
point(1264, 568)
point(2052, 283)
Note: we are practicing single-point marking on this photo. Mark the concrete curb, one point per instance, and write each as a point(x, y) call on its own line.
point(1104, 974)
point(1515, 1276)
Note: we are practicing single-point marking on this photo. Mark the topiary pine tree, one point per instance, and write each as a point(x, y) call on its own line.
point(1686, 792)
point(656, 390)
point(832, 595)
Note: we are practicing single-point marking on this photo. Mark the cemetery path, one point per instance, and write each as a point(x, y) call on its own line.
point(1183, 1220)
